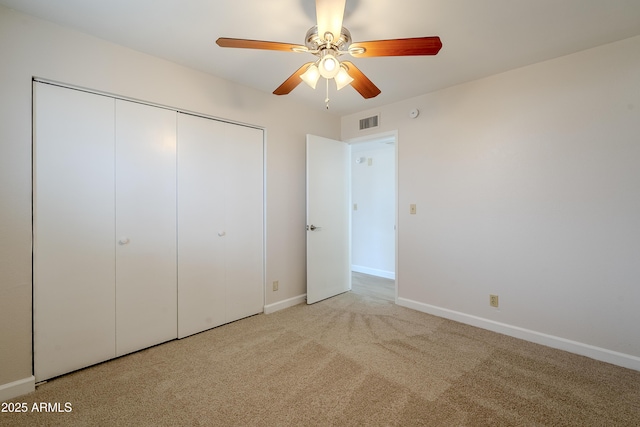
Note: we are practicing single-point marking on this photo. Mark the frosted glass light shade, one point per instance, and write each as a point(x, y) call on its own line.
point(311, 76)
point(342, 78)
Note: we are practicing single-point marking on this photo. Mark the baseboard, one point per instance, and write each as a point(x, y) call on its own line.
point(593, 352)
point(281, 305)
point(17, 388)
point(374, 272)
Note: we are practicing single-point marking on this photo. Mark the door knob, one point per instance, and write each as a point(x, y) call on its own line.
point(221, 233)
point(123, 241)
point(313, 227)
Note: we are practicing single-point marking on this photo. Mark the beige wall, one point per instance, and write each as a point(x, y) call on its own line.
point(31, 47)
point(527, 185)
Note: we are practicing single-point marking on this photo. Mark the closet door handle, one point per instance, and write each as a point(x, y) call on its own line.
point(124, 241)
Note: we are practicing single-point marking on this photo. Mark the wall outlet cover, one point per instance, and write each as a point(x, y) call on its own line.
point(493, 300)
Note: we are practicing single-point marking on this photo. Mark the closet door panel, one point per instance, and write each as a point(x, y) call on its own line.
point(244, 221)
point(146, 300)
point(201, 231)
point(73, 224)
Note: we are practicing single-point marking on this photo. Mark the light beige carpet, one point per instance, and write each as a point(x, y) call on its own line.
point(355, 359)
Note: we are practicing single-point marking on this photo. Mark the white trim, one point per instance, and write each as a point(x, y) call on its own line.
point(140, 101)
point(593, 352)
point(374, 272)
point(281, 305)
point(17, 388)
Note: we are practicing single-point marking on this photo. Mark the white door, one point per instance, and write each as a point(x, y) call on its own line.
point(146, 277)
point(220, 223)
point(244, 222)
point(73, 230)
point(328, 222)
point(201, 270)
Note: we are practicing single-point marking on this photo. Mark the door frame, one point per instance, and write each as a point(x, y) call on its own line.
point(371, 138)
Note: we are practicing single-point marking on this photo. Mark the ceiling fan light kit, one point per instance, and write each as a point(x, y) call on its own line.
point(335, 42)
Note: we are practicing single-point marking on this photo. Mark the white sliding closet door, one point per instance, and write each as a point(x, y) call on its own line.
point(244, 222)
point(201, 252)
point(131, 249)
point(220, 223)
point(73, 265)
point(146, 300)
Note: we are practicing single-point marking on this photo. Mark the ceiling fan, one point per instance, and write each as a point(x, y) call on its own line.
point(329, 40)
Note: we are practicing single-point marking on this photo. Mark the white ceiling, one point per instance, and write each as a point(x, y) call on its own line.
point(480, 37)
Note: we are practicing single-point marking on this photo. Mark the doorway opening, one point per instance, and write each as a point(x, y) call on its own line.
point(373, 214)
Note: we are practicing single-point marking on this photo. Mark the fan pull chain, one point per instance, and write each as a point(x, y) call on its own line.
point(326, 101)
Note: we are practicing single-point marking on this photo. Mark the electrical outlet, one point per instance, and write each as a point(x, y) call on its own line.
point(275, 285)
point(493, 300)
point(412, 209)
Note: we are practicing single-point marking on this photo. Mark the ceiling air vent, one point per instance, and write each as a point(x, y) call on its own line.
point(370, 122)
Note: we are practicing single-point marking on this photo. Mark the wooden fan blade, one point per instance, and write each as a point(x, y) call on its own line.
point(259, 44)
point(398, 47)
point(329, 15)
point(361, 83)
point(292, 82)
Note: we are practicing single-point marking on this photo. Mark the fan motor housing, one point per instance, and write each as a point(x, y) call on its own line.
point(315, 43)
